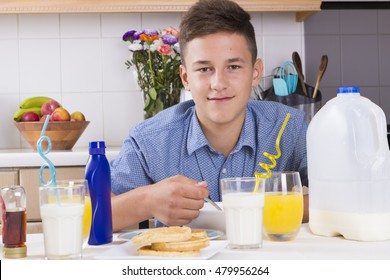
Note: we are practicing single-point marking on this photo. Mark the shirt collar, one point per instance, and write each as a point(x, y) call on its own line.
point(196, 139)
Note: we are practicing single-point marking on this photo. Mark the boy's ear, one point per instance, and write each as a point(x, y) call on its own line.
point(257, 72)
point(184, 77)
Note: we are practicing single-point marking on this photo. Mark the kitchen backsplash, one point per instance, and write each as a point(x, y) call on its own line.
point(357, 43)
point(79, 59)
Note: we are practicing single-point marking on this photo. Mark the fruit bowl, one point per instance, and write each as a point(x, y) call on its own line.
point(63, 135)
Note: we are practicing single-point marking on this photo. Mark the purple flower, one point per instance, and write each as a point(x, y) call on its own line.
point(169, 39)
point(137, 34)
point(128, 35)
point(150, 32)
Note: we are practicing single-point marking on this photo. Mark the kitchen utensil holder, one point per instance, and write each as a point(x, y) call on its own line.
point(298, 100)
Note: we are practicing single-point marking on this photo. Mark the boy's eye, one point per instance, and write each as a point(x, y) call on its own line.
point(204, 69)
point(233, 67)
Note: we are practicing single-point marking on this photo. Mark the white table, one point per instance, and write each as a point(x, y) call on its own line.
point(305, 247)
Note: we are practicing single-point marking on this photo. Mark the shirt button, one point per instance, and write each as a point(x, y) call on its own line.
point(224, 170)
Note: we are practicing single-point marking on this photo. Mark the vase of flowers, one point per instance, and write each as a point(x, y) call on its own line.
point(155, 57)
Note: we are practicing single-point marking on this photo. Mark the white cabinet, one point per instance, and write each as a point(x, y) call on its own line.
point(8, 177)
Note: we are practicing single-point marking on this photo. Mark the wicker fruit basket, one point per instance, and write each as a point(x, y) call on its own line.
point(63, 135)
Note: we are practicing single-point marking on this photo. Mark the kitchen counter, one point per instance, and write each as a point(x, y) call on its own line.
point(28, 158)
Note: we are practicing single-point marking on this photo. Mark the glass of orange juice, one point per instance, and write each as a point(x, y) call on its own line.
point(283, 206)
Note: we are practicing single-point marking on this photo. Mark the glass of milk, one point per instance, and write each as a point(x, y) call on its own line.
point(62, 213)
point(243, 203)
point(283, 206)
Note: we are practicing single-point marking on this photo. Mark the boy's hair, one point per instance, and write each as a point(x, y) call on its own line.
point(212, 16)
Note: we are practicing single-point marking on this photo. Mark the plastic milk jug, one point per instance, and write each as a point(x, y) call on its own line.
point(349, 169)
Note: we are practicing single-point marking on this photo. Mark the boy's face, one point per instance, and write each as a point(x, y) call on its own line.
point(220, 75)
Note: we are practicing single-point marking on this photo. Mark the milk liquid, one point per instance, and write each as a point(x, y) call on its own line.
point(244, 218)
point(62, 230)
point(355, 226)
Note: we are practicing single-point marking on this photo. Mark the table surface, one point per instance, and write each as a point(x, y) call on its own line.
point(305, 247)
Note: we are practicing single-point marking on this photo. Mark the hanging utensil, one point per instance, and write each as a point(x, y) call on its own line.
point(320, 74)
point(289, 73)
point(298, 67)
point(279, 84)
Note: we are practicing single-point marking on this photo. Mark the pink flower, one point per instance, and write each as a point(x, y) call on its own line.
point(164, 49)
point(171, 31)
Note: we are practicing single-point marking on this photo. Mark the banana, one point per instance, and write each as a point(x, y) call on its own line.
point(18, 115)
point(32, 102)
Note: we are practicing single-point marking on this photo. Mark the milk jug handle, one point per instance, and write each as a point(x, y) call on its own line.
point(381, 127)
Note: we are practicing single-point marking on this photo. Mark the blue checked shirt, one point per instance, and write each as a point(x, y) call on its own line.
point(173, 143)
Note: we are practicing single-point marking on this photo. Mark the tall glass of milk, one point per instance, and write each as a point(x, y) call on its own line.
point(243, 204)
point(62, 212)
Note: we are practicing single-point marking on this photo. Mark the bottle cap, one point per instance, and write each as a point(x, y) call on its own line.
point(353, 89)
point(15, 253)
point(97, 148)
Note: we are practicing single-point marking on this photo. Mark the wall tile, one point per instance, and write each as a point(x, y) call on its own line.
point(359, 60)
point(39, 61)
point(80, 25)
point(281, 24)
point(39, 26)
point(116, 76)
point(384, 62)
point(122, 110)
point(160, 20)
point(371, 93)
point(115, 25)
point(324, 22)
point(81, 66)
point(316, 46)
point(278, 49)
point(351, 22)
point(10, 134)
point(8, 27)
point(9, 66)
point(384, 21)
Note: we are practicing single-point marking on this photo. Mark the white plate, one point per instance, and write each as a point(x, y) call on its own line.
point(128, 251)
point(212, 234)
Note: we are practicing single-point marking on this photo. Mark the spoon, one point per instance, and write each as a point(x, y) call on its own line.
point(298, 66)
point(213, 203)
point(320, 74)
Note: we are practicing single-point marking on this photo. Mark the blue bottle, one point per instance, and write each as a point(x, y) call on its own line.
point(97, 172)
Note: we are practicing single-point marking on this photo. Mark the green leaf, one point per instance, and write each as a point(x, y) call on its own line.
point(147, 102)
point(153, 93)
point(159, 106)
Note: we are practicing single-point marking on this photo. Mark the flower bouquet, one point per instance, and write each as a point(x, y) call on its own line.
point(156, 60)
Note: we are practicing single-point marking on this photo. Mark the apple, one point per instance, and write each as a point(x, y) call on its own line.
point(30, 117)
point(43, 118)
point(60, 114)
point(77, 116)
point(49, 107)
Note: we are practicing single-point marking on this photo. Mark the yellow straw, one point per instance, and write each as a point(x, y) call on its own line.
point(272, 158)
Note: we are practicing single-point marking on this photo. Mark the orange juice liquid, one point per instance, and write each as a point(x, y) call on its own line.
point(87, 218)
point(282, 212)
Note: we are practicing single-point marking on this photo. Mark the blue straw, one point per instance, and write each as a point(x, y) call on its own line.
point(43, 154)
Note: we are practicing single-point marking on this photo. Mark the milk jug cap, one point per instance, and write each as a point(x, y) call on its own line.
point(97, 148)
point(352, 89)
